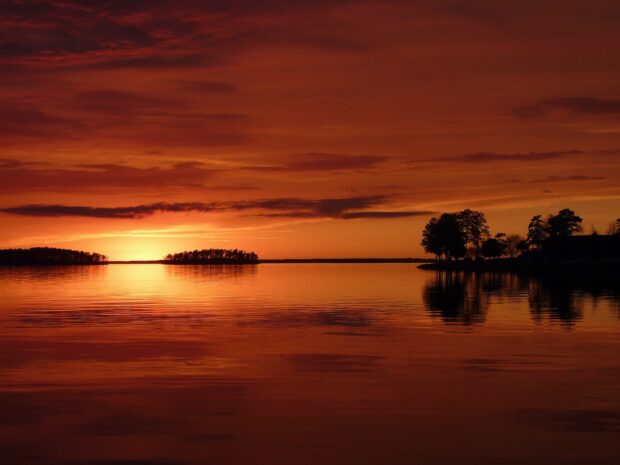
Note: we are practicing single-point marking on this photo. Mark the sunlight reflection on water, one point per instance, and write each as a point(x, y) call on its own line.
point(304, 364)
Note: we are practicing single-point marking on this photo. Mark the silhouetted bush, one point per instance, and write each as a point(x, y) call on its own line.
point(212, 256)
point(49, 256)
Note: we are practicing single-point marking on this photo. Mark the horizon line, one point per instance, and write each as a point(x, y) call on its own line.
point(294, 260)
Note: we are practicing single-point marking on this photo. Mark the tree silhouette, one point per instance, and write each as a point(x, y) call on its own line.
point(474, 227)
point(212, 256)
point(448, 236)
point(443, 237)
point(564, 224)
point(536, 231)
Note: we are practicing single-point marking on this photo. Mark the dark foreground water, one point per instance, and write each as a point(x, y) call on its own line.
point(305, 364)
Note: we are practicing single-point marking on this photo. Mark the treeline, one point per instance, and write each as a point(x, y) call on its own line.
point(49, 256)
point(466, 234)
point(212, 256)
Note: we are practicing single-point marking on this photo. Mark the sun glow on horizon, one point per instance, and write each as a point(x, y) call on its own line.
point(142, 251)
point(135, 248)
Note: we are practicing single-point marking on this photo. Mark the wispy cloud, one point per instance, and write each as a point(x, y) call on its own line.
point(341, 208)
point(575, 177)
point(152, 35)
point(575, 105)
point(17, 176)
point(137, 211)
point(205, 86)
point(487, 157)
point(115, 116)
point(320, 161)
point(385, 215)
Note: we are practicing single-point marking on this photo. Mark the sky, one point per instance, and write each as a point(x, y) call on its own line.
point(301, 128)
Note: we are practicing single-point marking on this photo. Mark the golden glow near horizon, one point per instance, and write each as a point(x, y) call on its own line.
point(141, 249)
point(330, 130)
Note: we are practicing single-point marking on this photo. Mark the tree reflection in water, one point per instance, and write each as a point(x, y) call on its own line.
point(464, 298)
point(556, 301)
point(456, 298)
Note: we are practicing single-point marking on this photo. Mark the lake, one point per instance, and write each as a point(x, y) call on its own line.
point(305, 364)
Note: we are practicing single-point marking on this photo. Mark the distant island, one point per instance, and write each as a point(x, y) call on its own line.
point(348, 260)
point(49, 256)
point(462, 241)
point(212, 257)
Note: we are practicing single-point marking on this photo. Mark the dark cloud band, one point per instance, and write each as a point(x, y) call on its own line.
point(341, 208)
point(576, 105)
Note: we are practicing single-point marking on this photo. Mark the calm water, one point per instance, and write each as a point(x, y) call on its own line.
point(304, 364)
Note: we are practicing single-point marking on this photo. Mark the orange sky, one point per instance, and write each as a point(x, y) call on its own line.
point(301, 128)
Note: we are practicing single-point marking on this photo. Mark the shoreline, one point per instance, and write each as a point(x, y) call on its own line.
point(266, 261)
point(282, 260)
point(573, 268)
